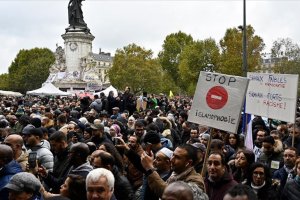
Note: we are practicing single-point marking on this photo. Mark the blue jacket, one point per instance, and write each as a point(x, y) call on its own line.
point(281, 175)
point(6, 173)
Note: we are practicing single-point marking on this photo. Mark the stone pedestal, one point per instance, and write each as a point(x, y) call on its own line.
point(77, 45)
point(76, 67)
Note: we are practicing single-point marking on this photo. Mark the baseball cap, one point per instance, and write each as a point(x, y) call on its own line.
point(27, 128)
point(24, 181)
point(36, 131)
point(97, 126)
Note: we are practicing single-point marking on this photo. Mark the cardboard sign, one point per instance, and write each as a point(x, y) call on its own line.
point(218, 101)
point(272, 95)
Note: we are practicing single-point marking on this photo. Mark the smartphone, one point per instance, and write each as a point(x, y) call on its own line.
point(32, 160)
point(148, 149)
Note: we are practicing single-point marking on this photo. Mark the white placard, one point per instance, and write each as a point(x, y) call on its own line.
point(218, 101)
point(272, 95)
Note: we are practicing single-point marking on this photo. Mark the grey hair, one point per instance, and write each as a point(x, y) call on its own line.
point(96, 174)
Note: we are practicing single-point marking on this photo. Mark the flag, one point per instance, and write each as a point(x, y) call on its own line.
point(247, 128)
point(249, 139)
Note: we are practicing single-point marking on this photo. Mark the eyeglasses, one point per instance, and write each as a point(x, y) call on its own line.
point(261, 174)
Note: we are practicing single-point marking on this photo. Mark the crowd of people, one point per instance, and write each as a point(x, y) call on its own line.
point(139, 148)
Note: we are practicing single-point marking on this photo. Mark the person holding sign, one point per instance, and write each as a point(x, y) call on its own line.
point(294, 132)
point(182, 162)
point(219, 179)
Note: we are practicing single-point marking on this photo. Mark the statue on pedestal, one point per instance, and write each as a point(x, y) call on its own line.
point(75, 13)
point(60, 61)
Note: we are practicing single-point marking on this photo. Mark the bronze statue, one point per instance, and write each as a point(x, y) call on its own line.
point(75, 14)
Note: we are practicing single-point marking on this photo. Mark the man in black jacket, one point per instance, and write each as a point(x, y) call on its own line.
point(122, 187)
point(98, 135)
point(295, 130)
point(59, 147)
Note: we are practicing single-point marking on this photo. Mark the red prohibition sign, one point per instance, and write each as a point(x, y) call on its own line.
point(216, 97)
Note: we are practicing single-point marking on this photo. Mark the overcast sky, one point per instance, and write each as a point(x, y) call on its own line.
point(26, 24)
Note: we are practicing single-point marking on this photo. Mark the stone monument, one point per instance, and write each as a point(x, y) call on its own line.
point(76, 67)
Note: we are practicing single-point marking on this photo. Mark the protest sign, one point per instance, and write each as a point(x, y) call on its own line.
point(218, 101)
point(272, 95)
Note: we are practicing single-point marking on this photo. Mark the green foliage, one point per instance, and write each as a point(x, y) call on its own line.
point(287, 54)
point(168, 84)
point(197, 57)
point(169, 57)
point(232, 51)
point(134, 66)
point(30, 69)
point(4, 82)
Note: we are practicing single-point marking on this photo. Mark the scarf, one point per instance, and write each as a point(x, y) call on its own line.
point(288, 170)
point(177, 177)
point(256, 188)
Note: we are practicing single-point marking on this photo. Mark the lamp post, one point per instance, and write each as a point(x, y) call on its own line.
point(245, 64)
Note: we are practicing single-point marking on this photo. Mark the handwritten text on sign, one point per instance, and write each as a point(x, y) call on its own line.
point(218, 100)
point(272, 95)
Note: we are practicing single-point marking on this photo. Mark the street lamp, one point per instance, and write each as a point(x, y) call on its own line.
point(244, 29)
point(245, 67)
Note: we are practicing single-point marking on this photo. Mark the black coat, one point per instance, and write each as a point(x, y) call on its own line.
point(122, 187)
point(267, 192)
point(60, 171)
point(291, 191)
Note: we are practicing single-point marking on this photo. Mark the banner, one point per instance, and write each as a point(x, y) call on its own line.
point(272, 96)
point(218, 101)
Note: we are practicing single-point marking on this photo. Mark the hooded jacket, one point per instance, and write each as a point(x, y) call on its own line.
point(23, 159)
point(44, 156)
point(275, 157)
point(6, 173)
point(82, 170)
point(217, 190)
point(96, 105)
